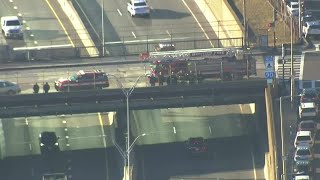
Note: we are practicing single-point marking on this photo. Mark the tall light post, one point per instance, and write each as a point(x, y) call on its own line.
point(292, 77)
point(127, 93)
point(102, 27)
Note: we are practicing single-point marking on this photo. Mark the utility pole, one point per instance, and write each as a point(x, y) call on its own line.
point(292, 73)
point(274, 27)
point(102, 27)
point(244, 24)
point(299, 19)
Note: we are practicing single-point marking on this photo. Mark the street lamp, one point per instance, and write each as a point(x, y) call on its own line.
point(127, 93)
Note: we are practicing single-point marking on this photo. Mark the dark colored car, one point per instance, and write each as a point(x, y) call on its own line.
point(309, 95)
point(196, 146)
point(48, 142)
point(308, 125)
point(303, 167)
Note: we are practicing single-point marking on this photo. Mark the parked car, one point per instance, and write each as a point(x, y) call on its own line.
point(303, 167)
point(303, 153)
point(9, 88)
point(308, 125)
point(304, 138)
point(164, 47)
point(308, 110)
point(311, 29)
point(309, 95)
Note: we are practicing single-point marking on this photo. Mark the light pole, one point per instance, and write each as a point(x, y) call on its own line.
point(291, 56)
point(102, 27)
point(127, 93)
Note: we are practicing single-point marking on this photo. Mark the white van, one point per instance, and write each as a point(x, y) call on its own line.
point(138, 7)
point(308, 110)
point(311, 28)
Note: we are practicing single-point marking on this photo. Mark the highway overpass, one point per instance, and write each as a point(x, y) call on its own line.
point(218, 93)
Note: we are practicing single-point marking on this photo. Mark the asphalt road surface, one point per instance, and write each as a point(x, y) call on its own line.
point(168, 21)
point(230, 158)
point(89, 131)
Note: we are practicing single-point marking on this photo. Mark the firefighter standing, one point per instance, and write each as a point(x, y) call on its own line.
point(36, 88)
point(46, 88)
point(161, 79)
point(153, 80)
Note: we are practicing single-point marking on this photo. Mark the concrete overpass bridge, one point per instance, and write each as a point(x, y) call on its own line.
point(217, 93)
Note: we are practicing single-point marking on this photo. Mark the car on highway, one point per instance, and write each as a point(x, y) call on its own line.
point(311, 29)
point(303, 153)
point(9, 88)
point(48, 142)
point(95, 79)
point(308, 18)
point(303, 167)
point(11, 27)
point(308, 110)
point(196, 146)
point(308, 95)
point(138, 8)
point(164, 47)
point(308, 125)
point(304, 138)
point(302, 177)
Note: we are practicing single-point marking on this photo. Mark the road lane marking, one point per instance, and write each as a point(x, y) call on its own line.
point(102, 130)
point(19, 14)
point(174, 130)
point(15, 7)
point(11, 1)
point(27, 123)
point(30, 147)
point(210, 130)
point(119, 12)
point(60, 22)
point(168, 33)
point(253, 164)
point(197, 22)
point(134, 35)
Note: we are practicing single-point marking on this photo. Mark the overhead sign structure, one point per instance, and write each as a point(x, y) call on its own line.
point(269, 72)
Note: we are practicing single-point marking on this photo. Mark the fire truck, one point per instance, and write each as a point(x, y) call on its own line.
point(95, 79)
point(216, 63)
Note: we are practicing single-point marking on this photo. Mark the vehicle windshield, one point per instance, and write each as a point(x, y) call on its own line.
point(303, 138)
point(315, 27)
point(74, 77)
point(196, 143)
point(308, 125)
point(307, 110)
point(48, 138)
point(140, 4)
point(295, 6)
point(303, 152)
point(13, 23)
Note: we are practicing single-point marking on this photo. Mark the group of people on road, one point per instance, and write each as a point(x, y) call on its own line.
point(36, 88)
point(174, 78)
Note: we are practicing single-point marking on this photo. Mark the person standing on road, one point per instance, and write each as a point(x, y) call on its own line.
point(36, 88)
point(46, 88)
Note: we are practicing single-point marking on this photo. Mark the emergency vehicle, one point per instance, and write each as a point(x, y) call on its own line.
point(95, 79)
point(218, 63)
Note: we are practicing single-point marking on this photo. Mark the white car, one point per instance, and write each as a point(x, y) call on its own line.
point(293, 8)
point(11, 27)
point(303, 153)
point(308, 110)
point(311, 28)
point(302, 177)
point(304, 138)
point(138, 7)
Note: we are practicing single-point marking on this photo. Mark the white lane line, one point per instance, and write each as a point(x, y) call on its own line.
point(134, 35)
point(11, 1)
point(30, 147)
point(174, 130)
point(167, 31)
point(253, 164)
point(15, 7)
point(197, 22)
point(27, 122)
point(19, 14)
point(119, 12)
point(210, 130)
point(149, 40)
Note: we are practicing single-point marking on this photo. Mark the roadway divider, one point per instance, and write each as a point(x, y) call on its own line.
point(2, 142)
point(223, 20)
point(271, 158)
point(79, 27)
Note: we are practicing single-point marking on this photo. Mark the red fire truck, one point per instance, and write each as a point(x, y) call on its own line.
point(219, 64)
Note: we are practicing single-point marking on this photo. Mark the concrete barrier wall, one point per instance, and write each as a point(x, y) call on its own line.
point(271, 157)
point(2, 142)
point(229, 26)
